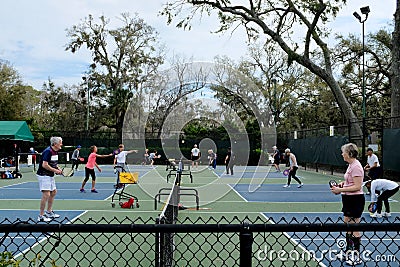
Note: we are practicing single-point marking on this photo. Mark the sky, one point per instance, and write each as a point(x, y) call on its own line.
point(33, 33)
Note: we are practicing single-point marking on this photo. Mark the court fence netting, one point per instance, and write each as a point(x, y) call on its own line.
point(226, 241)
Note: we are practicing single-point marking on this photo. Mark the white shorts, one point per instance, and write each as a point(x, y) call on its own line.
point(47, 183)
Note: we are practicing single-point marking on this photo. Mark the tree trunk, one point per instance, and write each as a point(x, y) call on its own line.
point(395, 70)
point(356, 134)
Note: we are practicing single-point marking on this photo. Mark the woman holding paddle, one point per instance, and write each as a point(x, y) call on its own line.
point(353, 201)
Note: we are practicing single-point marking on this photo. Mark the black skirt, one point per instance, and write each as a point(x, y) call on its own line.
point(353, 205)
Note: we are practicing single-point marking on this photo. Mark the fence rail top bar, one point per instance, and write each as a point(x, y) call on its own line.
point(195, 228)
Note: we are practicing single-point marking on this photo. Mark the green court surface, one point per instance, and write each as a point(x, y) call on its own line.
point(252, 194)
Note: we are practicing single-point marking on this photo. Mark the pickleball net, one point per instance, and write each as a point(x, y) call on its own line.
point(169, 215)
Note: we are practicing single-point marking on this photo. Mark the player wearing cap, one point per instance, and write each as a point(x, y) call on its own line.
point(75, 157)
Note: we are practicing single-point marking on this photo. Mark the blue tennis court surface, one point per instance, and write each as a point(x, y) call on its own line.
point(30, 190)
point(250, 172)
point(24, 241)
point(276, 193)
point(326, 247)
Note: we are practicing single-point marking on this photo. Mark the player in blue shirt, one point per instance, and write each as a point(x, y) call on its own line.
point(47, 185)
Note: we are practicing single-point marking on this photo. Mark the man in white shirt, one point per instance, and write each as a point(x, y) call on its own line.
point(120, 160)
point(195, 155)
point(386, 189)
point(120, 156)
point(373, 167)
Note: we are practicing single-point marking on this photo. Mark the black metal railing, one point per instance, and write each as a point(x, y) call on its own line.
point(202, 242)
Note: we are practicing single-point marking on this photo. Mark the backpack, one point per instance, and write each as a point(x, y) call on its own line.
point(128, 204)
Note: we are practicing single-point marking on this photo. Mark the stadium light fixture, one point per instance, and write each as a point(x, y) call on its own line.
point(365, 11)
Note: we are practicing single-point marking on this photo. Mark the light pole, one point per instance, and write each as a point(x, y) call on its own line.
point(275, 105)
point(88, 103)
point(365, 11)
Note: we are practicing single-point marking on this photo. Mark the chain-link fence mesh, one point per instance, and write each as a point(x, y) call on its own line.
point(201, 242)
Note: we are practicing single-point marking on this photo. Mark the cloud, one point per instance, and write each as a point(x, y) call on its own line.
point(33, 33)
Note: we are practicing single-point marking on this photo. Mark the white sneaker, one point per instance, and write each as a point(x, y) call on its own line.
point(51, 215)
point(376, 215)
point(286, 186)
point(43, 218)
point(386, 214)
point(300, 185)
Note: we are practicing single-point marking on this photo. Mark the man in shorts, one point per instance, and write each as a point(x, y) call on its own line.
point(45, 174)
point(195, 155)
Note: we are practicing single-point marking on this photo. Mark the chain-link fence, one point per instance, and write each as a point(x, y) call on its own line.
point(225, 241)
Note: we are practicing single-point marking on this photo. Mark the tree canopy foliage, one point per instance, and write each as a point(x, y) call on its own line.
point(17, 101)
point(308, 84)
point(278, 20)
point(123, 58)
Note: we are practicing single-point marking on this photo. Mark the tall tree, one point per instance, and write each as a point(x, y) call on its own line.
point(395, 69)
point(60, 108)
point(123, 58)
point(12, 91)
point(277, 20)
point(348, 55)
point(280, 83)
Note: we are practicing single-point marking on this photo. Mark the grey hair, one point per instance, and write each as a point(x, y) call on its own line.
point(55, 140)
point(351, 150)
point(287, 150)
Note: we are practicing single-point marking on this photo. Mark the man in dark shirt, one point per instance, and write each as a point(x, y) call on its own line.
point(229, 161)
point(47, 168)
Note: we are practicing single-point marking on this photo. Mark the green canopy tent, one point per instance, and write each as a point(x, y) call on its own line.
point(15, 131)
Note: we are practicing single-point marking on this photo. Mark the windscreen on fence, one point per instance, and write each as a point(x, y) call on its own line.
point(391, 146)
point(322, 150)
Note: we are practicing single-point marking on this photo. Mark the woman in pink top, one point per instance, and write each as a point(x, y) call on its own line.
point(89, 169)
point(353, 200)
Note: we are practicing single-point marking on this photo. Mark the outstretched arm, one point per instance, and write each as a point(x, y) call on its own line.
point(104, 156)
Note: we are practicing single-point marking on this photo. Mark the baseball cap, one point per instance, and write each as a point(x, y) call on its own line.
point(78, 146)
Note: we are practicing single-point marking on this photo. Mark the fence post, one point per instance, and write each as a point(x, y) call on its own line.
point(246, 243)
point(157, 246)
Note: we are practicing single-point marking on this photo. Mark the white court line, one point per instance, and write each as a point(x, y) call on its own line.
point(320, 263)
point(237, 193)
point(14, 185)
point(44, 238)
